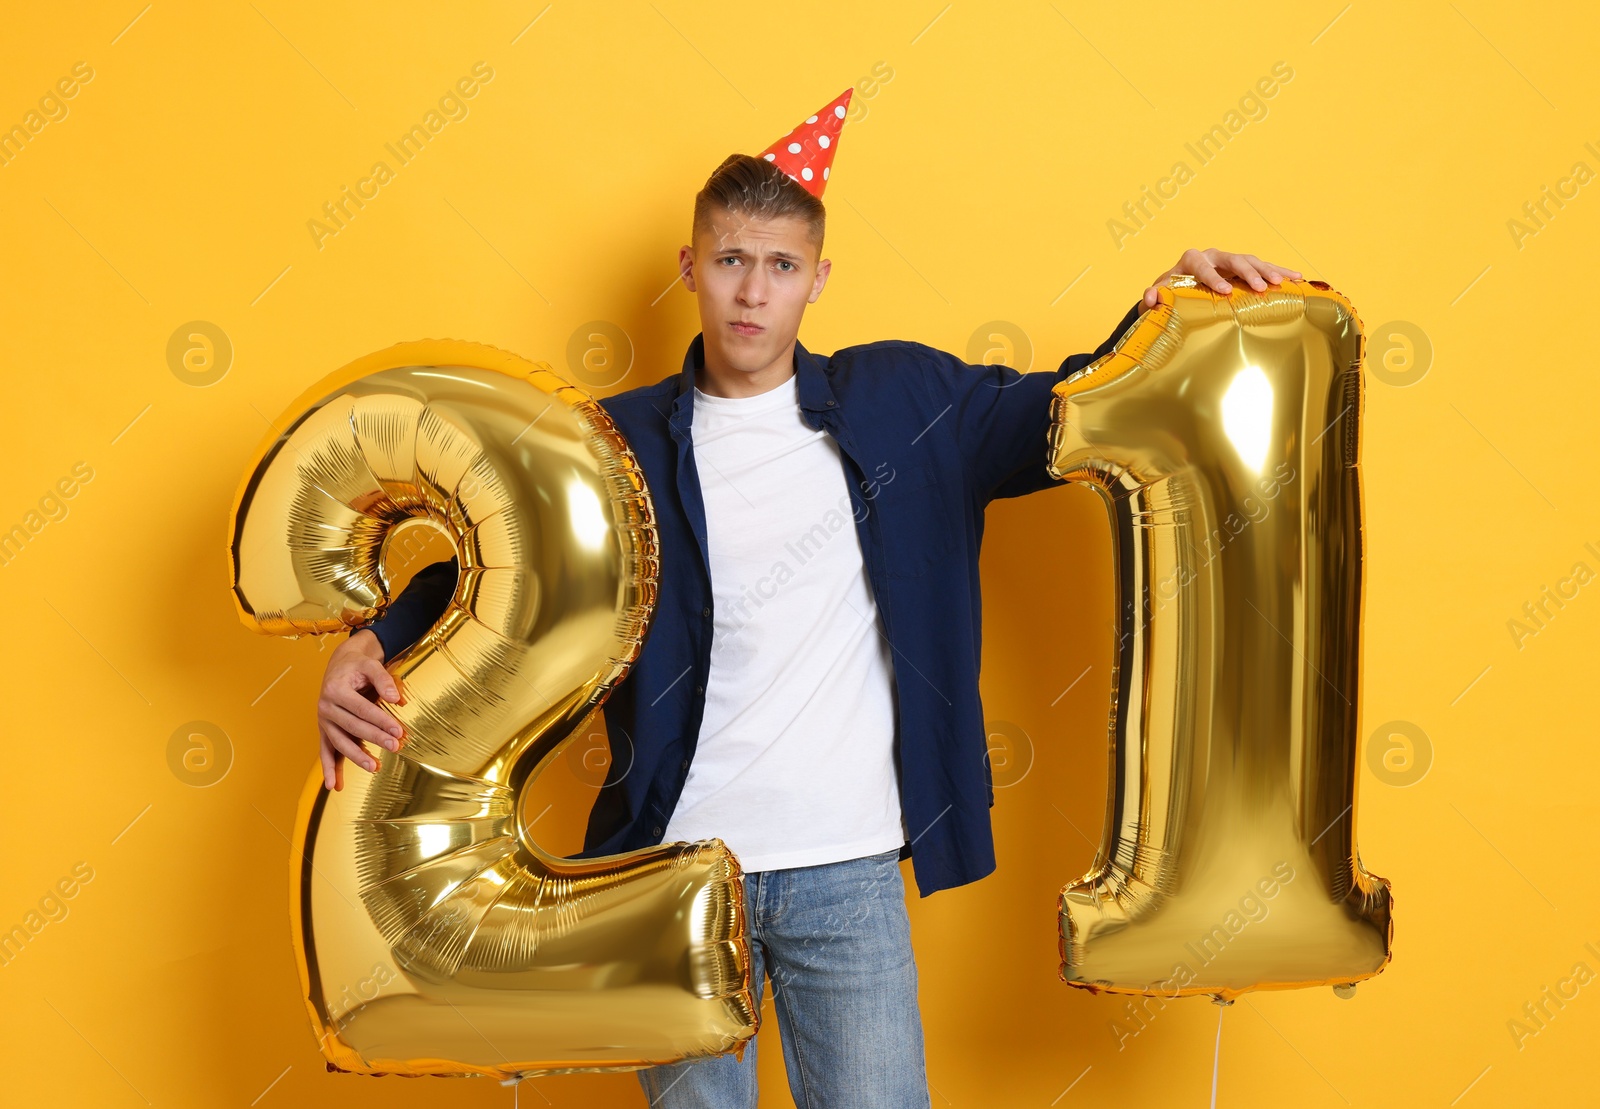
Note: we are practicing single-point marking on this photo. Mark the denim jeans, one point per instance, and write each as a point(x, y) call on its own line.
point(836, 942)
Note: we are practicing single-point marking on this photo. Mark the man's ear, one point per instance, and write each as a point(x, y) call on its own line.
point(824, 267)
point(686, 266)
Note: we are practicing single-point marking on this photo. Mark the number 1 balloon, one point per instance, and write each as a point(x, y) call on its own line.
point(1223, 434)
point(433, 935)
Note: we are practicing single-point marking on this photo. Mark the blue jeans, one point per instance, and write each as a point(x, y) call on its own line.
point(836, 942)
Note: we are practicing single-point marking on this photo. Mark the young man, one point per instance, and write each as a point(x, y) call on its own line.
point(808, 690)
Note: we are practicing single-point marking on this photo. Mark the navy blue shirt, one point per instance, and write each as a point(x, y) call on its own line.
point(927, 442)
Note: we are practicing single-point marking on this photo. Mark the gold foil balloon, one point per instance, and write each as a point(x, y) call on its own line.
point(1223, 434)
point(433, 935)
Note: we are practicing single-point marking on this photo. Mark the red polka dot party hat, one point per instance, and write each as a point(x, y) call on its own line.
point(806, 153)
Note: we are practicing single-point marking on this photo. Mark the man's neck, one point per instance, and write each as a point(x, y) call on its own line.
point(718, 379)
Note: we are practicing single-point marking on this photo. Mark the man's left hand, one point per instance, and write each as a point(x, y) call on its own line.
point(1213, 268)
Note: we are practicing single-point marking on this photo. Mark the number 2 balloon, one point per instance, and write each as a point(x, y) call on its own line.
point(433, 935)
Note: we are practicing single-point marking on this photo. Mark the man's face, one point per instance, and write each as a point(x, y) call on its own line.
point(752, 279)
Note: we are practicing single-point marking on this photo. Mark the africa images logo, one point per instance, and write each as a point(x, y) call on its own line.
point(452, 108)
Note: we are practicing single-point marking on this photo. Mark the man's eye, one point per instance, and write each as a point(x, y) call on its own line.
point(783, 263)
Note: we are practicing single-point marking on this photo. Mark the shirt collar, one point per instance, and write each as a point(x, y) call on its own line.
point(810, 371)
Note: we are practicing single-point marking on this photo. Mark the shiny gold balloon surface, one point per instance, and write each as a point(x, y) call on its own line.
point(433, 935)
point(1224, 435)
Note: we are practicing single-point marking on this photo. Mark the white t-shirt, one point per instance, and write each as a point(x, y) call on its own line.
point(795, 760)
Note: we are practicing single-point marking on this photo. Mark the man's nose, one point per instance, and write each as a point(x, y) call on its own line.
point(753, 290)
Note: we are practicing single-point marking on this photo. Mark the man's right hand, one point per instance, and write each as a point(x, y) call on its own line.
point(348, 715)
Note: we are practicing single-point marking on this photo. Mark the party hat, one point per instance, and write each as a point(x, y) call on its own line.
point(806, 153)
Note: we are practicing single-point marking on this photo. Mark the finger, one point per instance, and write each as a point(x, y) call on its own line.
point(332, 760)
point(1272, 271)
point(348, 746)
point(383, 681)
point(356, 702)
point(329, 769)
point(1244, 268)
point(1274, 266)
point(351, 749)
point(352, 713)
point(1206, 272)
point(337, 716)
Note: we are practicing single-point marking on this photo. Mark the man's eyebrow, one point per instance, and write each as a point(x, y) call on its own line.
point(784, 254)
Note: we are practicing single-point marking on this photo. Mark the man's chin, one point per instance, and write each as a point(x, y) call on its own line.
point(748, 364)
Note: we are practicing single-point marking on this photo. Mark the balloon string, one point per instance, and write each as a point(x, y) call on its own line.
point(1216, 1058)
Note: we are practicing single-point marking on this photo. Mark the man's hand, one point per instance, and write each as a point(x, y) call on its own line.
point(1213, 267)
point(348, 716)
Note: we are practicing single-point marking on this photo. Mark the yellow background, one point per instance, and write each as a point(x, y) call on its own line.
point(973, 185)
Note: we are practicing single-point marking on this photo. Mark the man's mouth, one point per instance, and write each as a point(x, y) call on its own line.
point(746, 328)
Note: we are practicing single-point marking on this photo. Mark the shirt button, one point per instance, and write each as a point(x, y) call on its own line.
point(656, 831)
point(830, 404)
point(706, 611)
point(685, 764)
point(699, 689)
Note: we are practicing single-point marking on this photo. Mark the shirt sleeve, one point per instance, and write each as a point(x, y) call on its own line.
point(420, 605)
point(1002, 418)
